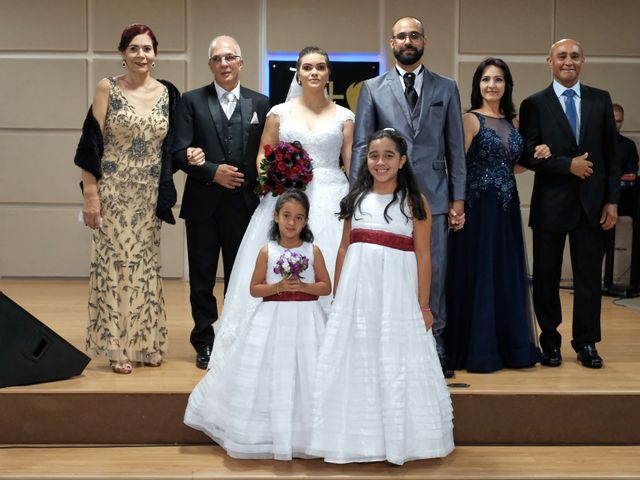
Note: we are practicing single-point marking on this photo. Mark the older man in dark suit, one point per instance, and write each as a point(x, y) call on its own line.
point(575, 194)
point(218, 129)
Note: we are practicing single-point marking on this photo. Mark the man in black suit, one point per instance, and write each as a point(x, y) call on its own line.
point(628, 158)
point(218, 129)
point(626, 148)
point(575, 193)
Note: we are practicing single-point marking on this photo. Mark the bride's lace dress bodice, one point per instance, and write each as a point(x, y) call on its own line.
point(323, 143)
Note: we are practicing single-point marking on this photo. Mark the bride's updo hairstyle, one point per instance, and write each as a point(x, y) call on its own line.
point(310, 50)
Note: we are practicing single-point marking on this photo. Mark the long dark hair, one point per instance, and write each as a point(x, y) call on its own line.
point(407, 186)
point(506, 102)
point(291, 195)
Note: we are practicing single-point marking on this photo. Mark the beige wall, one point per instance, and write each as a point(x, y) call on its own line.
point(52, 53)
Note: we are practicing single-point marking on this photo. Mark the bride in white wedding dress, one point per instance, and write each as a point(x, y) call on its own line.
point(325, 131)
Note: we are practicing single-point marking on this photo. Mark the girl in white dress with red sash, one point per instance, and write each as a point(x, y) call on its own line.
point(379, 392)
point(258, 405)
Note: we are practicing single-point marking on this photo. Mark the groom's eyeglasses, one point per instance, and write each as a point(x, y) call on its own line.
point(227, 58)
point(413, 36)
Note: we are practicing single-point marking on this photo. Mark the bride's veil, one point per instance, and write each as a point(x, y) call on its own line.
point(295, 90)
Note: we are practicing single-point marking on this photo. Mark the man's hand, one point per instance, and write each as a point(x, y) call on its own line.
point(609, 216)
point(228, 176)
point(581, 167)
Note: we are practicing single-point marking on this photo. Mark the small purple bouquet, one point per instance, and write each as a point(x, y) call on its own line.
point(287, 165)
point(291, 265)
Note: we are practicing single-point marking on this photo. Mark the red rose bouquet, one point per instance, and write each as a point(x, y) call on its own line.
point(286, 166)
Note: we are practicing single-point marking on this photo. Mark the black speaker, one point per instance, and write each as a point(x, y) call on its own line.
point(30, 352)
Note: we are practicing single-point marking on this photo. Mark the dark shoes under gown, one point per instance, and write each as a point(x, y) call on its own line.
point(490, 320)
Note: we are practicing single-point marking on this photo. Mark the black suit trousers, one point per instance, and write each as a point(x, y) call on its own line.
point(586, 245)
point(223, 231)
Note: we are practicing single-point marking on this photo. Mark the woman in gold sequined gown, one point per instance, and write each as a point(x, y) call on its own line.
point(128, 191)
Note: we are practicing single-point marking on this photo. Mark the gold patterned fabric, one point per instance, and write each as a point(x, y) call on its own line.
point(127, 318)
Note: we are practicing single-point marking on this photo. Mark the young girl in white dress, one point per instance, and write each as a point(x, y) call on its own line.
point(379, 392)
point(259, 404)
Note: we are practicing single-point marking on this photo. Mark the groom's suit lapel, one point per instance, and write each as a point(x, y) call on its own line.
point(428, 87)
point(392, 84)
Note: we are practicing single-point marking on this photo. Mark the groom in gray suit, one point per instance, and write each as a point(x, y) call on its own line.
point(425, 109)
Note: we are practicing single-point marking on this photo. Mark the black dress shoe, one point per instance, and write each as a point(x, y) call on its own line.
point(551, 358)
point(203, 354)
point(588, 356)
point(446, 370)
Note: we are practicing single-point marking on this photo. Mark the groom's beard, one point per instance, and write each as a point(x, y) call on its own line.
point(408, 55)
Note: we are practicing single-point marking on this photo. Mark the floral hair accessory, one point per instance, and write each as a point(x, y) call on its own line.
point(286, 166)
point(291, 265)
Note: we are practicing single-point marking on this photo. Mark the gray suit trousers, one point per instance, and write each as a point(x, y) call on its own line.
point(438, 297)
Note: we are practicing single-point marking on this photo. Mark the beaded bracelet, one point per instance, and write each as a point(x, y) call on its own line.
point(425, 309)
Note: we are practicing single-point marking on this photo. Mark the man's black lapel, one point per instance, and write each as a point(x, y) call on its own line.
point(216, 112)
point(558, 113)
point(587, 105)
point(246, 111)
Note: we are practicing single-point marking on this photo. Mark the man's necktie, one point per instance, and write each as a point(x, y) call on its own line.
point(230, 104)
point(570, 111)
point(409, 91)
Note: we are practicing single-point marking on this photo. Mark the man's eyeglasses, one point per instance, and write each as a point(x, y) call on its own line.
point(227, 58)
point(413, 36)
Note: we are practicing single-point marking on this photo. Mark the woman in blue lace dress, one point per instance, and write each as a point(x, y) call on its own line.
point(490, 321)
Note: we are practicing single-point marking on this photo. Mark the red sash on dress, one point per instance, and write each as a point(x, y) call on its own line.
point(380, 237)
point(291, 297)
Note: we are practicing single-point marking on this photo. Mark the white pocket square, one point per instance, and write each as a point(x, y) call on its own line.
point(254, 119)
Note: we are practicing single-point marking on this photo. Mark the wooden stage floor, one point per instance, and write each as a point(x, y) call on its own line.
point(563, 423)
point(61, 304)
